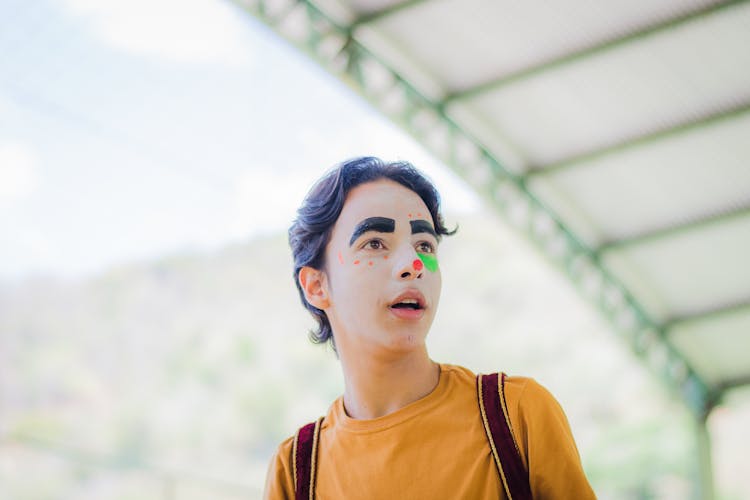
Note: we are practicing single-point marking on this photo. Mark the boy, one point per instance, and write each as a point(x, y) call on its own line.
point(365, 247)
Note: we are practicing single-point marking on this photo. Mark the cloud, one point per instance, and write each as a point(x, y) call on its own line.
point(18, 175)
point(187, 31)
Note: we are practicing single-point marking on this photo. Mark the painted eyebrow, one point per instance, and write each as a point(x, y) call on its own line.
point(422, 226)
point(379, 224)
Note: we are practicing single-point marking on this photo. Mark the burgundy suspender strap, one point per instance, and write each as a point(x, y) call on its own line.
point(496, 422)
point(304, 451)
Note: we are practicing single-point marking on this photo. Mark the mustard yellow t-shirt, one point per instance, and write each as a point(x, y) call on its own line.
point(437, 448)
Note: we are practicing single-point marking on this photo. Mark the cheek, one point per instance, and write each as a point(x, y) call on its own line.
point(360, 263)
point(428, 261)
point(435, 279)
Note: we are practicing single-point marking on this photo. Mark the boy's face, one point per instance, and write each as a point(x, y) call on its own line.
point(381, 272)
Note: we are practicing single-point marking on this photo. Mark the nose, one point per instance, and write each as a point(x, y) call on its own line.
point(409, 266)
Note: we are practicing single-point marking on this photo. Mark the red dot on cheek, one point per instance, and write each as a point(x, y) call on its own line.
point(417, 264)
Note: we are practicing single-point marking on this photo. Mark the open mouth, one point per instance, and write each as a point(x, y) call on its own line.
point(409, 306)
point(412, 304)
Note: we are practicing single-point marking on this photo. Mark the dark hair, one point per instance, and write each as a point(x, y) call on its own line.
point(311, 230)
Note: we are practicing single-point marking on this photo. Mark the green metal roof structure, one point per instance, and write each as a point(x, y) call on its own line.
point(615, 134)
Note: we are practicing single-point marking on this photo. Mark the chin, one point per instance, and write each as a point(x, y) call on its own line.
point(407, 338)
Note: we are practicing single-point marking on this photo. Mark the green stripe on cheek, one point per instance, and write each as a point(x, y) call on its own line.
point(430, 261)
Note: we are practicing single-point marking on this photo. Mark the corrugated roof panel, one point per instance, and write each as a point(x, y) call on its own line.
point(690, 272)
point(676, 180)
point(718, 346)
point(403, 62)
point(509, 36)
point(628, 92)
point(570, 207)
point(369, 6)
point(511, 157)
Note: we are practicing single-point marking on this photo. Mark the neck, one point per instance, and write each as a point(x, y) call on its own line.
point(377, 386)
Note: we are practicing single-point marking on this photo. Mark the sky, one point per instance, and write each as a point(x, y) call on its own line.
point(133, 130)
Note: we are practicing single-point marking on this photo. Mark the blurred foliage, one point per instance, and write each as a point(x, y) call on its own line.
point(178, 378)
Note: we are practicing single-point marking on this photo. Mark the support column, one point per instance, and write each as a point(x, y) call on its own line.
point(704, 477)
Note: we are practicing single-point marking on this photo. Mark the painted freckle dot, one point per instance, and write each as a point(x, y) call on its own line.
point(356, 262)
point(385, 257)
point(369, 263)
point(417, 264)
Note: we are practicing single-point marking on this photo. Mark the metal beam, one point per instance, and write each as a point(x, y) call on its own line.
point(590, 51)
point(734, 383)
point(703, 480)
point(707, 313)
point(371, 17)
point(643, 140)
point(671, 231)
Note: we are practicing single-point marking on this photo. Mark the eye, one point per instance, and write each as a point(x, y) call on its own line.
point(374, 245)
point(425, 247)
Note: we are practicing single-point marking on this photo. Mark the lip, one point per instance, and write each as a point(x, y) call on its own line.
point(409, 313)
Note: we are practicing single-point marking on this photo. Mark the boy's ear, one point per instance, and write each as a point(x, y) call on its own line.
point(312, 282)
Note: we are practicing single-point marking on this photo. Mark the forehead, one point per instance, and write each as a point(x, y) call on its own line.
point(382, 198)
